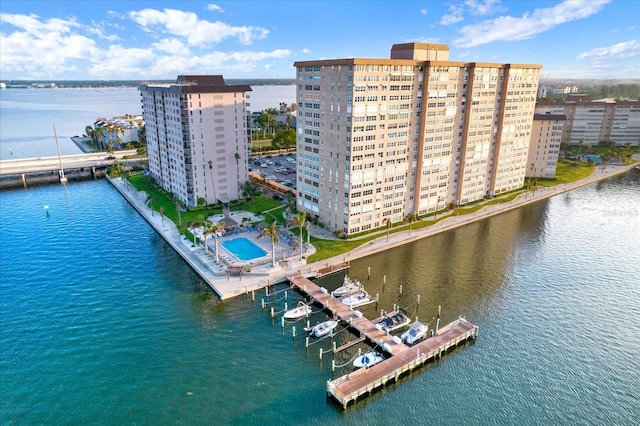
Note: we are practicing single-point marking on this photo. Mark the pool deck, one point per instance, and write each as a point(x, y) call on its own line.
point(214, 273)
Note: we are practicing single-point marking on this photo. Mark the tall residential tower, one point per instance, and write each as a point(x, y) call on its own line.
point(197, 137)
point(389, 138)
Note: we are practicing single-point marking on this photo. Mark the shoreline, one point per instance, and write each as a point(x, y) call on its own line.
point(232, 286)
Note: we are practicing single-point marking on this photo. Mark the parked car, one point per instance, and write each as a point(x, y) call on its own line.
point(278, 197)
point(263, 165)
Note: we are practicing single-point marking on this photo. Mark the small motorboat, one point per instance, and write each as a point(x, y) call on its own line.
point(393, 320)
point(323, 328)
point(369, 359)
point(298, 312)
point(348, 286)
point(415, 333)
point(357, 299)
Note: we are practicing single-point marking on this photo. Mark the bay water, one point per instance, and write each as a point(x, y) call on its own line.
point(102, 322)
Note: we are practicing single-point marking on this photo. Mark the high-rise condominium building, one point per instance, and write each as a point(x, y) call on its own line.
point(197, 137)
point(544, 147)
point(593, 122)
point(388, 138)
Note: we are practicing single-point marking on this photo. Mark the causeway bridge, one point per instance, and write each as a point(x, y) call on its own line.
point(32, 169)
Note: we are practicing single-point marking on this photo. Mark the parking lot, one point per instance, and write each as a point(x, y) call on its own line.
point(280, 168)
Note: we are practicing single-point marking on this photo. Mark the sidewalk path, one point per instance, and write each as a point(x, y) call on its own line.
point(230, 286)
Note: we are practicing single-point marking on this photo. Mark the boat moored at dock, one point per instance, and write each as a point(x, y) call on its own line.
point(368, 359)
point(298, 312)
point(323, 328)
point(393, 320)
point(348, 287)
point(357, 299)
point(417, 331)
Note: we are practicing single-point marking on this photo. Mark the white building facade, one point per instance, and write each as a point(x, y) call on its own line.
point(198, 143)
point(389, 138)
point(544, 147)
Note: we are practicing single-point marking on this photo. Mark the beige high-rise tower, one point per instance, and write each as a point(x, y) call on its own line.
point(388, 138)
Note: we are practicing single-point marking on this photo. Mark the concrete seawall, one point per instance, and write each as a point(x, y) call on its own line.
point(226, 287)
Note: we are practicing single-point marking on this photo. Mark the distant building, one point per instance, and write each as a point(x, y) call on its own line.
point(596, 121)
point(544, 146)
point(198, 137)
point(387, 138)
point(118, 131)
point(545, 90)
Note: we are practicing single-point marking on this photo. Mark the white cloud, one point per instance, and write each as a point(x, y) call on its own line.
point(42, 48)
point(197, 32)
point(620, 51)
point(508, 28)
point(454, 16)
point(478, 7)
point(215, 8)
point(306, 51)
point(423, 11)
point(172, 45)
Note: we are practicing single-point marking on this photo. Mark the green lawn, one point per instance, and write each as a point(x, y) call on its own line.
point(567, 172)
point(164, 201)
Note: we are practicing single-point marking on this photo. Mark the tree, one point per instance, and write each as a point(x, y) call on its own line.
point(532, 167)
point(219, 230)
point(179, 204)
point(387, 222)
point(237, 157)
point(308, 228)
point(215, 198)
point(272, 232)
point(411, 217)
point(162, 215)
point(300, 219)
point(284, 139)
point(606, 157)
point(149, 202)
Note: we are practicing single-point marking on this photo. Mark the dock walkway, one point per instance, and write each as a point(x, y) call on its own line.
point(354, 318)
point(401, 358)
point(365, 380)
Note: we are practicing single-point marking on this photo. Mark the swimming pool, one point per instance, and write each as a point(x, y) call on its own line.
point(243, 249)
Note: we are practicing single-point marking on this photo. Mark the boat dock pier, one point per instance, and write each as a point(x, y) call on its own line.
point(333, 269)
point(402, 358)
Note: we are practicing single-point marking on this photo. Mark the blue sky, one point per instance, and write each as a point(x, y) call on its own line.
point(121, 40)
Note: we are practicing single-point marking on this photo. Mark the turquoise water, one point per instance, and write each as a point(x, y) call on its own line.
point(243, 249)
point(103, 323)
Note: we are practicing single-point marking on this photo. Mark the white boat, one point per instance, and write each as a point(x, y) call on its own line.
point(393, 320)
point(415, 333)
point(298, 312)
point(348, 286)
point(357, 299)
point(323, 328)
point(369, 359)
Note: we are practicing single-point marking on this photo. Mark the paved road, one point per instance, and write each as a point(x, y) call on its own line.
point(46, 164)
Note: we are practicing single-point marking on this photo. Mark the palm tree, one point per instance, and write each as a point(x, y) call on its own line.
point(300, 219)
point(215, 198)
point(162, 214)
point(272, 232)
point(532, 167)
point(387, 222)
point(606, 157)
point(237, 157)
point(218, 230)
point(308, 227)
point(149, 201)
point(411, 217)
point(178, 204)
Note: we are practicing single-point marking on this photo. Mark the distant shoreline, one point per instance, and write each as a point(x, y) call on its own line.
point(92, 84)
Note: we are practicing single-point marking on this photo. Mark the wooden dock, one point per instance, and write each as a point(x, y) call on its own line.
point(333, 269)
point(354, 318)
point(401, 358)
